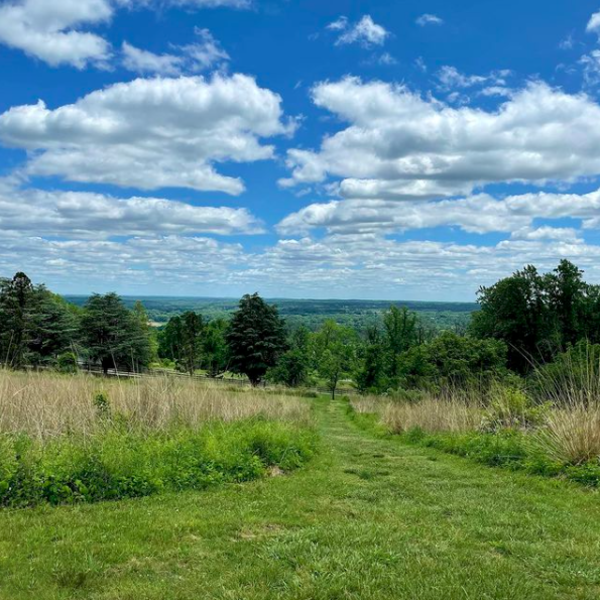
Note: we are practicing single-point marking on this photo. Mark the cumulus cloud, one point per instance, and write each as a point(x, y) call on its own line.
point(191, 58)
point(365, 32)
point(92, 215)
point(476, 214)
point(150, 133)
point(51, 30)
point(400, 145)
point(593, 25)
point(364, 265)
point(429, 19)
point(54, 31)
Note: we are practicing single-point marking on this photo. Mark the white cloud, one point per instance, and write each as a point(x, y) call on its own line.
point(399, 145)
point(339, 24)
point(591, 67)
point(54, 31)
point(212, 3)
point(365, 32)
point(191, 58)
point(91, 215)
point(564, 234)
point(428, 19)
point(476, 214)
point(50, 30)
point(593, 25)
point(363, 265)
point(143, 61)
point(451, 78)
point(150, 133)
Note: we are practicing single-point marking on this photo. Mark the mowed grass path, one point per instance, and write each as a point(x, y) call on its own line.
point(369, 518)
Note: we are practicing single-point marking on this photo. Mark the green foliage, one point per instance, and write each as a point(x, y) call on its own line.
point(538, 315)
point(400, 328)
point(102, 405)
point(122, 463)
point(113, 335)
point(371, 370)
point(512, 408)
point(214, 348)
point(192, 329)
point(255, 338)
point(452, 360)
point(67, 362)
point(35, 325)
point(572, 378)
point(334, 353)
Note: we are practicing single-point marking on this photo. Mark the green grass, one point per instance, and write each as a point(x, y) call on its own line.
point(369, 518)
point(121, 463)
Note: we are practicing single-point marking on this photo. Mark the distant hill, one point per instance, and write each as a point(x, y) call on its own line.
point(356, 313)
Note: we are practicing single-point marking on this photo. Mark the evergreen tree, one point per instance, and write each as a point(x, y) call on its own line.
point(255, 338)
point(57, 329)
point(113, 335)
point(18, 319)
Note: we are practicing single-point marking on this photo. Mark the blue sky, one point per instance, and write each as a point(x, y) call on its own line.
point(385, 150)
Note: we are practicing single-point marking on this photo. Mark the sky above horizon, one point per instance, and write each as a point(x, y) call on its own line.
point(408, 150)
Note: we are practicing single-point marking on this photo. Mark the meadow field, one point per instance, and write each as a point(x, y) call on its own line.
point(169, 488)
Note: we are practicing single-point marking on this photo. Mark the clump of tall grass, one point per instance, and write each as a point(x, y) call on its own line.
point(571, 384)
point(457, 412)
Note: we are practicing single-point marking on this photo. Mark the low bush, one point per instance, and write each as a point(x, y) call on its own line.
point(120, 463)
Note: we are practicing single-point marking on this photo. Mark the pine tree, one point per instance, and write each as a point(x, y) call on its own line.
point(256, 338)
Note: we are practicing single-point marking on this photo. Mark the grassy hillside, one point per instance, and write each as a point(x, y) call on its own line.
point(369, 518)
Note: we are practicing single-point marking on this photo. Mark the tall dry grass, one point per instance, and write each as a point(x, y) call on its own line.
point(453, 413)
point(571, 434)
point(46, 405)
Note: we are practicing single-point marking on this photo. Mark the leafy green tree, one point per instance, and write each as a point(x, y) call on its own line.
point(293, 366)
point(515, 311)
point(370, 376)
point(170, 339)
point(538, 315)
point(214, 347)
point(401, 333)
point(334, 353)
point(113, 335)
point(567, 300)
point(192, 329)
point(256, 338)
point(451, 359)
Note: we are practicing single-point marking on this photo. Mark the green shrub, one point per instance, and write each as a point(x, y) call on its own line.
point(120, 463)
point(511, 407)
point(67, 362)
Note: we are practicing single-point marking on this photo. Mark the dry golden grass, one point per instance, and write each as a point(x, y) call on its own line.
point(46, 405)
point(452, 413)
point(571, 434)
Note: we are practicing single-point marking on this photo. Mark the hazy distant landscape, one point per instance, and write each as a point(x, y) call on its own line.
point(358, 314)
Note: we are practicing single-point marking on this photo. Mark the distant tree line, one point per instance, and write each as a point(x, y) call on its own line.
point(525, 320)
